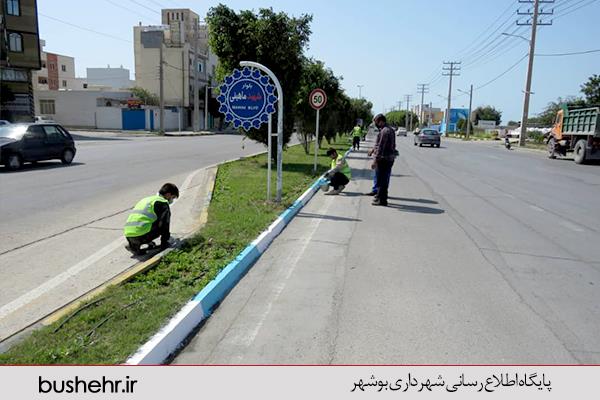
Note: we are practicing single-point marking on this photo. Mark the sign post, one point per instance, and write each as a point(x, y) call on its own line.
point(247, 100)
point(317, 100)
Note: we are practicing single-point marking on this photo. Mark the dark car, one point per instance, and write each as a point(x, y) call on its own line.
point(427, 136)
point(31, 142)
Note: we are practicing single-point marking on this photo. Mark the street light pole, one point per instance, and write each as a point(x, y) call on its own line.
point(470, 93)
point(360, 91)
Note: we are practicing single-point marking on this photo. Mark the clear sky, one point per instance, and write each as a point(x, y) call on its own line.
point(389, 46)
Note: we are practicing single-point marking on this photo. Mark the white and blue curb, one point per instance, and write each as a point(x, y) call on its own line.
point(162, 345)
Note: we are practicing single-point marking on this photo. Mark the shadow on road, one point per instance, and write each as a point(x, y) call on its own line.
point(81, 138)
point(416, 209)
point(42, 166)
point(329, 217)
point(422, 201)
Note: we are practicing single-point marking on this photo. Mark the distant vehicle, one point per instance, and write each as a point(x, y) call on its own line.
point(576, 130)
point(43, 119)
point(401, 131)
point(32, 142)
point(4, 122)
point(427, 136)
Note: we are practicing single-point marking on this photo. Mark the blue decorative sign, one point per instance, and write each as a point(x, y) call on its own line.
point(247, 98)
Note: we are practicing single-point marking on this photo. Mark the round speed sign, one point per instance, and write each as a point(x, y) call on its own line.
point(317, 99)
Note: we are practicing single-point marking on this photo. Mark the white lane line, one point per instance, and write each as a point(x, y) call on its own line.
point(249, 338)
point(59, 279)
point(572, 226)
point(536, 208)
point(494, 157)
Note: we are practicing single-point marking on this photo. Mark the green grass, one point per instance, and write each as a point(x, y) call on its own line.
point(108, 329)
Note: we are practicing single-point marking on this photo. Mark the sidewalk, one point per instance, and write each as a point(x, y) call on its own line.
point(351, 283)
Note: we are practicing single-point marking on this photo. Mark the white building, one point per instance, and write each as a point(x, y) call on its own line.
point(115, 78)
point(57, 73)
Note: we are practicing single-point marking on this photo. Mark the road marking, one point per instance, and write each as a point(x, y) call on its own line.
point(306, 240)
point(494, 157)
point(572, 226)
point(59, 279)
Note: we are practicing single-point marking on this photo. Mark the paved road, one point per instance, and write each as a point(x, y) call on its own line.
point(59, 222)
point(484, 256)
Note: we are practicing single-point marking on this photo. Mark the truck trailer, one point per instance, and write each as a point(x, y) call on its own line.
point(576, 130)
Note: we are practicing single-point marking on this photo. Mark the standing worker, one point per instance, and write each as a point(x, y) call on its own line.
point(340, 173)
point(383, 159)
point(356, 136)
point(149, 219)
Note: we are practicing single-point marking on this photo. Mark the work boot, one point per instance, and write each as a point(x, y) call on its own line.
point(371, 193)
point(333, 192)
point(378, 202)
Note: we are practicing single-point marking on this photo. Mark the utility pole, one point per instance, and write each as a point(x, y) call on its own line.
point(534, 24)
point(422, 88)
point(430, 115)
point(452, 70)
point(360, 91)
point(470, 93)
point(408, 98)
point(161, 78)
point(196, 116)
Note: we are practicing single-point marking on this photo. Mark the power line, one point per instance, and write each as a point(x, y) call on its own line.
point(85, 29)
point(127, 9)
point(147, 8)
point(502, 74)
point(575, 9)
point(568, 54)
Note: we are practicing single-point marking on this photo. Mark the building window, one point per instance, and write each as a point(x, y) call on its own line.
point(43, 64)
point(47, 107)
point(42, 80)
point(63, 68)
point(200, 67)
point(13, 7)
point(15, 42)
point(64, 83)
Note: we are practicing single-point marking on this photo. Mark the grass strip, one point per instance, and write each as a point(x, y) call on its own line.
point(109, 329)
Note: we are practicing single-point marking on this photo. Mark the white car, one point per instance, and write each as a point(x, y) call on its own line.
point(401, 131)
point(4, 122)
point(42, 119)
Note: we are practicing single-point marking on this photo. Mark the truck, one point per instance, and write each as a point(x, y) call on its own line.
point(576, 130)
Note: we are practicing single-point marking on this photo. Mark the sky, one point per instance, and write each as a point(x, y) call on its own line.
point(387, 46)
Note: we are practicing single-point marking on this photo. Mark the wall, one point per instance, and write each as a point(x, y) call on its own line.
point(108, 118)
point(117, 78)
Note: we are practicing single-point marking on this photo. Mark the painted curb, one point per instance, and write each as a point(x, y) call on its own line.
point(163, 344)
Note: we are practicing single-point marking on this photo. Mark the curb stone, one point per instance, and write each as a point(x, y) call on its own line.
point(168, 340)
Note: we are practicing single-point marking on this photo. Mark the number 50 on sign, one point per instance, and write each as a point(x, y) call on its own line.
point(317, 99)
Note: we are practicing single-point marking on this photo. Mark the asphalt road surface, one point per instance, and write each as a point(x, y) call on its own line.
point(484, 256)
point(58, 221)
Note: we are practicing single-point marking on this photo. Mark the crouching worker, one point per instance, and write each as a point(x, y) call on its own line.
point(150, 219)
point(339, 175)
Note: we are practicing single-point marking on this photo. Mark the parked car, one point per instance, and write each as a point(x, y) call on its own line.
point(401, 131)
point(32, 142)
point(40, 119)
point(4, 122)
point(427, 136)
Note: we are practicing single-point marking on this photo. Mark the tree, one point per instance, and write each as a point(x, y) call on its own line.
point(591, 90)
point(398, 118)
point(513, 123)
point(145, 96)
point(275, 40)
point(548, 115)
point(488, 113)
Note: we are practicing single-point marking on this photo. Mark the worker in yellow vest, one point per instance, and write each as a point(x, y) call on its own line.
point(340, 173)
point(150, 219)
point(356, 136)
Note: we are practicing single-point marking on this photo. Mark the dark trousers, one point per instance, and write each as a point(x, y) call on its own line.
point(356, 142)
point(375, 188)
point(136, 242)
point(339, 179)
point(384, 172)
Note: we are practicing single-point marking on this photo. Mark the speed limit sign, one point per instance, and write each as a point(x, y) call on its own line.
point(317, 99)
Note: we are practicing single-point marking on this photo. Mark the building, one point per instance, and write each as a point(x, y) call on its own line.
point(187, 64)
point(57, 72)
point(114, 78)
point(19, 56)
point(430, 115)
